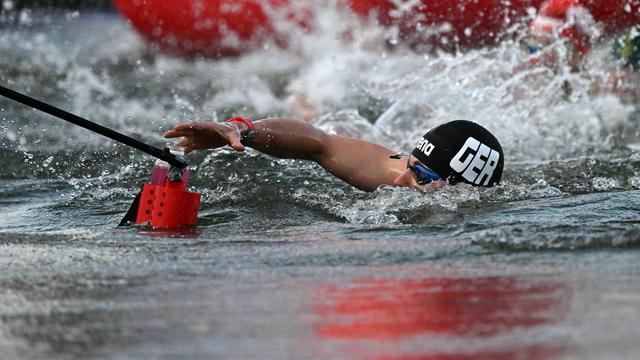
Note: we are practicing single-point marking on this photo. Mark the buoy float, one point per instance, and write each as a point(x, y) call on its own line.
point(168, 206)
point(218, 28)
point(463, 24)
point(449, 24)
point(613, 15)
point(211, 28)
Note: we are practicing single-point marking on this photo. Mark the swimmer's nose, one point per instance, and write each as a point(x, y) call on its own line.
point(405, 179)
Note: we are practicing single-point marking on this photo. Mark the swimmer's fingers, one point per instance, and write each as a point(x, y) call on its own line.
point(173, 134)
point(186, 144)
point(237, 146)
point(232, 135)
point(206, 135)
point(185, 129)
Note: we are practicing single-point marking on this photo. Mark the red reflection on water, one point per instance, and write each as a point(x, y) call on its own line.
point(525, 352)
point(385, 310)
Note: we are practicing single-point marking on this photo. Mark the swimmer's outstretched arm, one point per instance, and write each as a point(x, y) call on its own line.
point(360, 163)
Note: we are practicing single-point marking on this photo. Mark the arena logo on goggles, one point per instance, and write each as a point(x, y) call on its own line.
point(476, 161)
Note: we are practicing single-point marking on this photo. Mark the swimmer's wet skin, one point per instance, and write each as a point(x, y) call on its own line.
point(457, 151)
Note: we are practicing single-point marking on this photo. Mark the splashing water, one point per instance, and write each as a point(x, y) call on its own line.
point(569, 196)
point(358, 87)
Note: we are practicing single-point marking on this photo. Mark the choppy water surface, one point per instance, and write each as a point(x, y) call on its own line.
point(288, 262)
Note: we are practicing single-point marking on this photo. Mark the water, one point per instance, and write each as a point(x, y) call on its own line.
point(288, 262)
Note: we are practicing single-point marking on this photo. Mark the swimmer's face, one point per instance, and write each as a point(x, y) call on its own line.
point(413, 173)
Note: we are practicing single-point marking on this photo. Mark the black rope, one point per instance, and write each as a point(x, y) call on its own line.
point(162, 154)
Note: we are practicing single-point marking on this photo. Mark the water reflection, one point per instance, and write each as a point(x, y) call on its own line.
point(445, 318)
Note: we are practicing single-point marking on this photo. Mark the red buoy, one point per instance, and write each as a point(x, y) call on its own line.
point(212, 28)
point(464, 24)
point(612, 15)
point(168, 206)
point(449, 24)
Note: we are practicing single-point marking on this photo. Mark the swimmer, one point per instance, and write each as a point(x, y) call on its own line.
point(561, 19)
point(622, 77)
point(454, 152)
point(572, 22)
point(623, 82)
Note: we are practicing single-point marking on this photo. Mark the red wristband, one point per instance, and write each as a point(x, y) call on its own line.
point(243, 120)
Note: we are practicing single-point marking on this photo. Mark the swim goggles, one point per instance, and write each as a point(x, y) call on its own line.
point(423, 175)
point(531, 45)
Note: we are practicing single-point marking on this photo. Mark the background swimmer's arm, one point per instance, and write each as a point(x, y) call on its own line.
point(362, 164)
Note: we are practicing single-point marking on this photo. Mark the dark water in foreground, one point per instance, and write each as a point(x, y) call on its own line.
point(288, 263)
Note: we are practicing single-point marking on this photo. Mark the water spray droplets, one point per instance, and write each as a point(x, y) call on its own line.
point(47, 161)
point(27, 157)
point(25, 17)
point(8, 5)
point(604, 184)
point(72, 15)
point(75, 183)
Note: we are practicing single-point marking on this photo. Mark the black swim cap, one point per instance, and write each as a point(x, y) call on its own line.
point(462, 151)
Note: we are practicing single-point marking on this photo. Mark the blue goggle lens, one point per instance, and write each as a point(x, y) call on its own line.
point(423, 175)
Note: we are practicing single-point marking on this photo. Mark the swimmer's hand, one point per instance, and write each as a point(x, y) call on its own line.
point(199, 135)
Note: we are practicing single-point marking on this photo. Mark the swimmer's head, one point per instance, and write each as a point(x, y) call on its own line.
point(462, 151)
point(565, 18)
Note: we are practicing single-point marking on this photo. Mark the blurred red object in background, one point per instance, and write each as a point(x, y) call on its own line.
point(447, 24)
point(211, 28)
